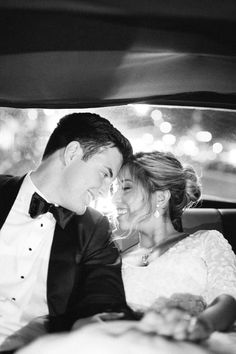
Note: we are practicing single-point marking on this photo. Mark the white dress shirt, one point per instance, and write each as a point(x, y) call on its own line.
point(25, 246)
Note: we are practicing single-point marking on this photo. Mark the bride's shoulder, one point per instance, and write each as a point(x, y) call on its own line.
point(199, 238)
point(205, 235)
point(209, 239)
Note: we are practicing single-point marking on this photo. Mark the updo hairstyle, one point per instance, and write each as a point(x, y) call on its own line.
point(161, 171)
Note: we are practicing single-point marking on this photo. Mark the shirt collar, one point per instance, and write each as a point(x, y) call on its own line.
point(26, 191)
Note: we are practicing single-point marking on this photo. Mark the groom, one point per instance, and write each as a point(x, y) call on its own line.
point(56, 256)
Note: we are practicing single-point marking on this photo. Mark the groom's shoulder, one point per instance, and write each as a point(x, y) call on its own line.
point(92, 223)
point(95, 226)
point(5, 178)
point(92, 220)
point(9, 179)
point(92, 215)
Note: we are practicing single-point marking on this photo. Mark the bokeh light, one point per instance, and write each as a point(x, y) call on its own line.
point(217, 148)
point(147, 138)
point(140, 109)
point(165, 127)
point(204, 136)
point(156, 115)
point(169, 139)
point(33, 114)
point(159, 145)
point(6, 138)
point(49, 112)
point(188, 147)
point(232, 157)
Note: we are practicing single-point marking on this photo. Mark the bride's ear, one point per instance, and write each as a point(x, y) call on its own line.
point(162, 198)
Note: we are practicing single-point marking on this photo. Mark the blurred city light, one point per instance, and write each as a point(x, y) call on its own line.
point(6, 138)
point(137, 144)
point(217, 148)
point(188, 147)
point(32, 114)
point(156, 115)
point(232, 157)
point(140, 109)
point(165, 127)
point(147, 138)
point(52, 121)
point(204, 136)
point(159, 145)
point(211, 155)
point(169, 139)
point(49, 112)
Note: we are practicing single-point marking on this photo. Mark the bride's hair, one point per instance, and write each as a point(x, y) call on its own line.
point(153, 171)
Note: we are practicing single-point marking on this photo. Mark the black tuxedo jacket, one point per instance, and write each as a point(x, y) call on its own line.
point(84, 274)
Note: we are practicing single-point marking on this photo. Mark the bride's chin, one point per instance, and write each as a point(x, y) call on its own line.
point(123, 222)
point(123, 226)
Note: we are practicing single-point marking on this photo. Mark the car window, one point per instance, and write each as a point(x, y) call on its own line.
point(206, 138)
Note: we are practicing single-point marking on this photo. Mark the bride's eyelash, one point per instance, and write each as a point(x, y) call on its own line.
point(125, 188)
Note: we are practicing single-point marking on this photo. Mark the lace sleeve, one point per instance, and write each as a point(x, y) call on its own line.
point(221, 266)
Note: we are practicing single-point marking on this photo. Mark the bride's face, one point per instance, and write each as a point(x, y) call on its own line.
point(129, 200)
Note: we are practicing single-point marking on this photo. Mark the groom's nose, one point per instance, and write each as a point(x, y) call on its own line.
point(116, 197)
point(104, 189)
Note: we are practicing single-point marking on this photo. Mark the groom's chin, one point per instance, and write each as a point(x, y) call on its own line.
point(80, 211)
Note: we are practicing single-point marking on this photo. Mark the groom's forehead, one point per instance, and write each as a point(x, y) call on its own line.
point(108, 157)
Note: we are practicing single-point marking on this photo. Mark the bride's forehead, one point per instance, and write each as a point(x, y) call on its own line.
point(124, 173)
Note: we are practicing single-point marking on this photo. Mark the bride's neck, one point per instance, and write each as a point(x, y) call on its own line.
point(157, 233)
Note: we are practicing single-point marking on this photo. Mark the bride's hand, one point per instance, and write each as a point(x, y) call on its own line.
point(199, 330)
point(175, 323)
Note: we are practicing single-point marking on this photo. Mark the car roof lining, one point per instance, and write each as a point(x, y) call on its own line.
point(95, 53)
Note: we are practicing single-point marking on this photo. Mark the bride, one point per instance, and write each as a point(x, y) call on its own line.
point(152, 191)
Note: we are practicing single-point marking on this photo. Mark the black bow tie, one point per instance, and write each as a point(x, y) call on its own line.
point(39, 206)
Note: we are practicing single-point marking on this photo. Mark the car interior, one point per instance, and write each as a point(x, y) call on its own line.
point(75, 55)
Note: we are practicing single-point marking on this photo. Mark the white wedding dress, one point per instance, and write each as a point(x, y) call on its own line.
point(201, 264)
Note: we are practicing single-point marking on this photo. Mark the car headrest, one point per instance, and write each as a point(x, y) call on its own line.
point(223, 220)
point(201, 219)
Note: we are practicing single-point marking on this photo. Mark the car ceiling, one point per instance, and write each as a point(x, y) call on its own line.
point(64, 53)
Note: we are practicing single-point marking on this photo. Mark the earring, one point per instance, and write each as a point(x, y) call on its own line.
point(156, 213)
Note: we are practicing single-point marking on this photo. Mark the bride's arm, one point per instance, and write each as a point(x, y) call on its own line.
point(221, 313)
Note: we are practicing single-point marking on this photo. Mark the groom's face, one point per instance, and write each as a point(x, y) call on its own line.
point(84, 181)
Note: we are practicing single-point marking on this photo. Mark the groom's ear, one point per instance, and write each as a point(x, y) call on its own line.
point(72, 150)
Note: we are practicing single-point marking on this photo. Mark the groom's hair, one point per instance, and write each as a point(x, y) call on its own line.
point(91, 131)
